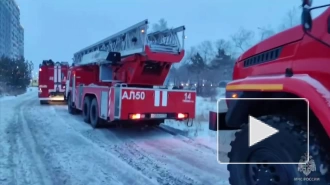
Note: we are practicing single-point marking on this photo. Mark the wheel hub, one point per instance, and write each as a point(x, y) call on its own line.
point(266, 174)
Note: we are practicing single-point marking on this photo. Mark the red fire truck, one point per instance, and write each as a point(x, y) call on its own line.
point(52, 80)
point(113, 80)
point(290, 64)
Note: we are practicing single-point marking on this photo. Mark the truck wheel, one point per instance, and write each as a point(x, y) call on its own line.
point(155, 123)
point(71, 108)
point(86, 109)
point(94, 114)
point(43, 102)
point(290, 145)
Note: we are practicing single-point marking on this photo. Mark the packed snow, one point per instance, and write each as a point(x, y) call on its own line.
point(46, 145)
point(199, 130)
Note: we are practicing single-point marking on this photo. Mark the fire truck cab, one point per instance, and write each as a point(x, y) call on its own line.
point(280, 86)
point(52, 78)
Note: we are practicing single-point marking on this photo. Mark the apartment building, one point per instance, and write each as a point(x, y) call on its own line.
point(11, 31)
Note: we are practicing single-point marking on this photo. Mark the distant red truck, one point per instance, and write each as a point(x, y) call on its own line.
point(52, 78)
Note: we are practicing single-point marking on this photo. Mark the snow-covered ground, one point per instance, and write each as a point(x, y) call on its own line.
point(199, 130)
point(46, 145)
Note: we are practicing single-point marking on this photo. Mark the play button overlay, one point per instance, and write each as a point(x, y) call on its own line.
point(258, 131)
point(267, 131)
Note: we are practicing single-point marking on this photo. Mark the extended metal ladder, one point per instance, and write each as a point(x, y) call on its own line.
point(132, 41)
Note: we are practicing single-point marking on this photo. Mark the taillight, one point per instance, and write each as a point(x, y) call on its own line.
point(136, 116)
point(182, 116)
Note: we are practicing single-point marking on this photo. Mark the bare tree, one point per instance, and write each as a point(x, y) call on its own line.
point(224, 45)
point(206, 50)
point(291, 19)
point(266, 32)
point(161, 25)
point(189, 54)
point(243, 39)
point(185, 74)
point(197, 67)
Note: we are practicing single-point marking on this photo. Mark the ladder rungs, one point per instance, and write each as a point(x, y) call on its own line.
point(132, 40)
point(108, 39)
point(167, 31)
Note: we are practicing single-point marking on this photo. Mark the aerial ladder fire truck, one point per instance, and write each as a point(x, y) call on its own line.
point(115, 80)
point(52, 81)
point(295, 64)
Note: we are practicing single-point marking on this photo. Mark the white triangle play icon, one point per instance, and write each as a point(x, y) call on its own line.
point(259, 131)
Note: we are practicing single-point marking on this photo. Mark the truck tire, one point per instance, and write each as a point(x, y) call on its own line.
point(71, 108)
point(293, 133)
point(155, 123)
point(94, 114)
point(43, 102)
point(86, 109)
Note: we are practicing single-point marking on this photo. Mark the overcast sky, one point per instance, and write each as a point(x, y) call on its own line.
point(55, 29)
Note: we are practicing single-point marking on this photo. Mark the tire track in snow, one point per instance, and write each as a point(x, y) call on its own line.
point(25, 162)
point(86, 160)
point(35, 150)
point(186, 159)
point(12, 133)
point(190, 161)
point(129, 153)
point(128, 146)
point(187, 140)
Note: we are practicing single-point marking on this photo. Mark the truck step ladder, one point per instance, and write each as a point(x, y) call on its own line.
point(132, 40)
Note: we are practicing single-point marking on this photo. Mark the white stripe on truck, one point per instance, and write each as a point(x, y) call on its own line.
point(160, 96)
point(157, 98)
point(164, 98)
point(57, 78)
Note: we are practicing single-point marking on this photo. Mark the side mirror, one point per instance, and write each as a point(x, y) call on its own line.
point(306, 19)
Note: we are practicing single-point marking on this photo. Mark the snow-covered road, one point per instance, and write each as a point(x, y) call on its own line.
point(46, 145)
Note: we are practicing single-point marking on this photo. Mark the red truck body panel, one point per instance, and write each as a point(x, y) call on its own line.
point(118, 103)
point(306, 57)
point(316, 93)
point(149, 69)
point(157, 101)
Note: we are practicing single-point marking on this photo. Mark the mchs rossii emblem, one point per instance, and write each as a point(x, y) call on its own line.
point(308, 167)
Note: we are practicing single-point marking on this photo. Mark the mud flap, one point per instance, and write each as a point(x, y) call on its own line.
point(80, 92)
point(104, 104)
point(217, 121)
point(117, 102)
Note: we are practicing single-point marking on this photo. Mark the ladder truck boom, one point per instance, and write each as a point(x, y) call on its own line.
point(113, 80)
point(134, 40)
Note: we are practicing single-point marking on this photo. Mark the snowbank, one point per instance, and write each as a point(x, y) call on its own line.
point(6, 97)
point(199, 131)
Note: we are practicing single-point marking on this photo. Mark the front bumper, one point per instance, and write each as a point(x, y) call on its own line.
point(54, 96)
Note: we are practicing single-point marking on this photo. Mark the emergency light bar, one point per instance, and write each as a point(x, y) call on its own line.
point(52, 63)
point(64, 63)
point(48, 62)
